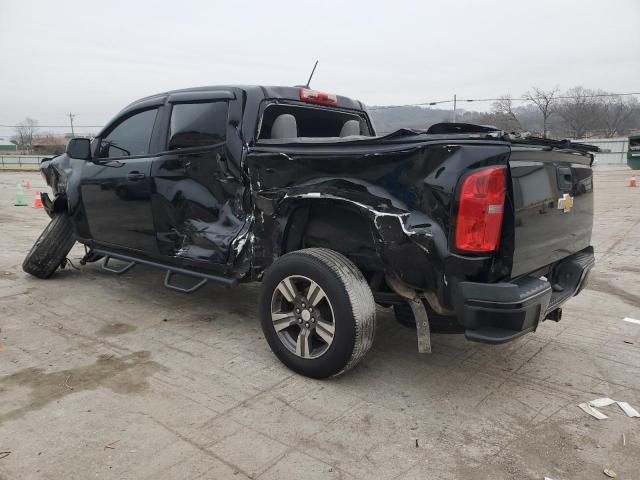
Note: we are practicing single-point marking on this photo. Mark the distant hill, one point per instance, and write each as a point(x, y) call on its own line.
point(615, 118)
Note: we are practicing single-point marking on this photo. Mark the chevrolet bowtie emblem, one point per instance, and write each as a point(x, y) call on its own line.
point(565, 203)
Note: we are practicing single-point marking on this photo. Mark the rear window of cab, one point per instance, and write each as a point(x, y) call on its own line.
point(280, 121)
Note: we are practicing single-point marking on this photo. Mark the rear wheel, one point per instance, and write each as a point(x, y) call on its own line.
point(317, 312)
point(51, 247)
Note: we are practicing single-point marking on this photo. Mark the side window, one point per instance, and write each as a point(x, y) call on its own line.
point(197, 124)
point(131, 137)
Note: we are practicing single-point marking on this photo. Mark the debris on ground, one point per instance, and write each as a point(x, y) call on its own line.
point(111, 445)
point(631, 320)
point(609, 473)
point(605, 402)
point(628, 409)
point(601, 402)
point(592, 411)
point(66, 383)
point(4, 454)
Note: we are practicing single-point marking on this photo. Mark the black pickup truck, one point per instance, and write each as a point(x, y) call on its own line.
point(459, 228)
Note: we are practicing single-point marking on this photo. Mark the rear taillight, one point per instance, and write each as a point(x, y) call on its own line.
point(321, 98)
point(480, 211)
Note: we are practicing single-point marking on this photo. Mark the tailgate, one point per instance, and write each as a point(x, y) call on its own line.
point(552, 205)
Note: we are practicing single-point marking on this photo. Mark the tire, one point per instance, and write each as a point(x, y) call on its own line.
point(343, 294)
point(51, 248)
point(437, 323)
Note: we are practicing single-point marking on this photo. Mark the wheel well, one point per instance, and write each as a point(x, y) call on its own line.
point(334, 226)
point(60, 204)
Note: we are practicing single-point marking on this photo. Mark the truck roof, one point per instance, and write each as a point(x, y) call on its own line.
point(254, 93)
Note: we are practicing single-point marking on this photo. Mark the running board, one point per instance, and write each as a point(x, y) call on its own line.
point(178, 288)
point(117, 271)
point(170, 271)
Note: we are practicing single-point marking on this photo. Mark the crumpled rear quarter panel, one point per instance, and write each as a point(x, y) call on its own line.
point(407, 194)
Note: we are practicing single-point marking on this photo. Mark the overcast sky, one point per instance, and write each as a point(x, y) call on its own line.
point(91, 58)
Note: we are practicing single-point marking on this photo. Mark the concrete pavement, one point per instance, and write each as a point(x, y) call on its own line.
point(116, 377)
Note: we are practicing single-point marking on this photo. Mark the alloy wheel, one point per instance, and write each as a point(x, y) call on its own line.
point(303, 317)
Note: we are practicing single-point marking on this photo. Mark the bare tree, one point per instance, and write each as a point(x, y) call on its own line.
point(546, 102)
point(26, 132)
point(503, 110)
point(615, 114)
point(580, 111)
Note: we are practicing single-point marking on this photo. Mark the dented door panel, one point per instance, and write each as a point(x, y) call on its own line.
point(197, 206)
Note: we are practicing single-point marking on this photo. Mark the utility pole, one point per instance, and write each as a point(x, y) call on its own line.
point(71, 117)
point(454, 107)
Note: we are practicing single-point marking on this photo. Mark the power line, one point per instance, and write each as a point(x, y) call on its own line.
point(517, 99)
point(54, 126)
point(454, 100)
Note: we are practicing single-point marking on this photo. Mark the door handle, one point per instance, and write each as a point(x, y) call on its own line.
point(134, 176)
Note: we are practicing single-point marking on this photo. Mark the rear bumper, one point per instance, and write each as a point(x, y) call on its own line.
point(499, 312)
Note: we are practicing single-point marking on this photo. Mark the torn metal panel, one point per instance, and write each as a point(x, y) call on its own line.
point(418, 309)
point(197, 205)
point(422, 326)
point(405, 191)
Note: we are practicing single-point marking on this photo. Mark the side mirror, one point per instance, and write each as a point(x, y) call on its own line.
point(79, 148)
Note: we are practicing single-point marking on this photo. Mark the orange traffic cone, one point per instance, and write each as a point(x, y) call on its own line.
point(37, 203)
point(632, 181)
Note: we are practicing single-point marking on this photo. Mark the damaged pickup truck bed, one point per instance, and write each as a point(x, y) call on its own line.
point(460, 228)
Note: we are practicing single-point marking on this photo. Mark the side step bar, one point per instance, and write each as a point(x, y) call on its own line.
point(170, 271)
point(117, 271)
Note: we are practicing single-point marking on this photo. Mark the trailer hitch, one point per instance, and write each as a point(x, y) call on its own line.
point(419, 312)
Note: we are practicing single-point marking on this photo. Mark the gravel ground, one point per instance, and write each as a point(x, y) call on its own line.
point(105, 376)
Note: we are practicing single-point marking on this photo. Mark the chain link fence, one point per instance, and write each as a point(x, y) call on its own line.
point(613, 152)
point(20, 162)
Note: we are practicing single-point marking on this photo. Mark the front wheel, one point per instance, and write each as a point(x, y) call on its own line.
point(317, 312)
point(51, 247)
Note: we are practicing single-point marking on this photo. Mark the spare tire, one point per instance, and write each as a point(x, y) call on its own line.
point(51, 247)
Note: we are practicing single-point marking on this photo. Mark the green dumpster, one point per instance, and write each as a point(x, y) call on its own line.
point(633, 154)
